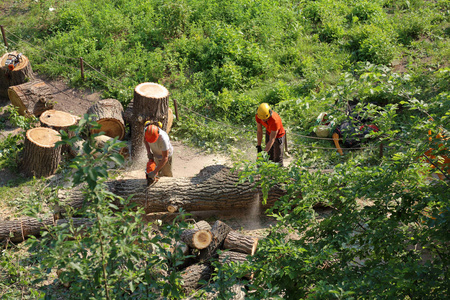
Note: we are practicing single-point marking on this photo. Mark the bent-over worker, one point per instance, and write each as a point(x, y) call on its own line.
point(159, 149)
point(275, 133)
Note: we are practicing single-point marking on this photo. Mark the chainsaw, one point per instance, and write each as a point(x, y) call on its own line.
point(151, 166)
point(13, 60)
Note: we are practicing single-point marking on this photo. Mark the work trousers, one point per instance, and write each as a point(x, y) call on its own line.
point(167, 169)
point(276, 152)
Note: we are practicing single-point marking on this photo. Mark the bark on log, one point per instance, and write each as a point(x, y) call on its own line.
point(192, 275)
point(22, 73)
point(196, 238)
point(219, 231)
point(128, 117)
point(214, 188)
point(202, 225)
point(227, 257)
point(31, 98)
point(240, 243)
point(18, 230)
point(40, 155)
point(150, 103)
point(109, 114)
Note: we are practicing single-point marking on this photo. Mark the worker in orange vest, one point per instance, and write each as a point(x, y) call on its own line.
point(275, 133)
point(159, 149)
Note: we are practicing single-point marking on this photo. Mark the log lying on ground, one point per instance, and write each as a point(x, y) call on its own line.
point(109, 114)
point(192, 276)
point(18, 230)
point(196, 238)
point(240, 243)
point(219, 232)
point(227, 257)
point(31, 98)
point(214, 188)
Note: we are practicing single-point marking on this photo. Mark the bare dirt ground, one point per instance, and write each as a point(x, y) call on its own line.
point(187, 161)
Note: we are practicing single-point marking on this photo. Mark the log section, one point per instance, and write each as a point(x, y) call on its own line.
point(18, 230)
point(196, 238)
point(227, 257)
point(40, 155)
point(192, 276)
point(150, 103)
point(240, 243)
point(214, 188)
point(219, 232)
point(21, 73)
point(109, 114)
point(31, 98)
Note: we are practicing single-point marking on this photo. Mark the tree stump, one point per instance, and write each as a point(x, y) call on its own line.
point(40, 156)
point(21, 73)
point(58, 120)
point(150, 103)
point(240, 243)
point(31, 98)
point(109, 114)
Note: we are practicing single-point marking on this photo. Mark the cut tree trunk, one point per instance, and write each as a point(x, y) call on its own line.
point(31, 98)
point(150, 103)
point(227, 257)
point(128, 117)
point(202, 225)
point(40, 155)
point(18, 230)
point(59, 120)
point(219, 232)
point(214, 188)
point(240, 243)
point(109, 114)
point(21, 73)
point(192, 275)
point(196, 238)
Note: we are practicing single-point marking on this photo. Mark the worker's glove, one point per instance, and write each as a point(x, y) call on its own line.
point(259, 148)
point(152, 175)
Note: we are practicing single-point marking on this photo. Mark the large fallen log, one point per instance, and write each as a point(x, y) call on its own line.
point(214, 188)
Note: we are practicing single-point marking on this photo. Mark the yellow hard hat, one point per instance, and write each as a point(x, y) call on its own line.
point(263, 111)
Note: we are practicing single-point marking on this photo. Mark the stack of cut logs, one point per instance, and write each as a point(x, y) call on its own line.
point(201, 244)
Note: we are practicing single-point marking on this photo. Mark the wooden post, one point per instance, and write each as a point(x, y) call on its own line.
point(82, 68)
point(4, 36)
point(381, 150)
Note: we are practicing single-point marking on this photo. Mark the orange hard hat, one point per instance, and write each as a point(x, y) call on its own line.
point(151, 133)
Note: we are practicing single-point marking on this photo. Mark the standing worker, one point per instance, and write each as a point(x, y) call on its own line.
point(275, 133)
point(159, 149)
